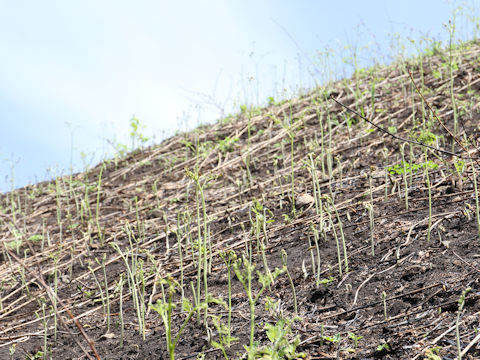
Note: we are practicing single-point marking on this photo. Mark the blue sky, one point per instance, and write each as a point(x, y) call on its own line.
point(80, 70)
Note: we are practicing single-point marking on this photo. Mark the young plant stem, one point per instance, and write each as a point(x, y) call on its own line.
point(59, 207)
point(429, 188)
point(385, 154)
point(340, 170)
point(316, 239)
point(180, 256)
point(107, 297)
point(133, 286)
point(412, 161)
point(120, 309)
point(339, 257)
point(285, 268)
point(317, 194)
point(322, 137)
point(312, 258)
point(228, 257)
point(342, 235)
point(405, 183)
point(371, 214)
point(461, 304)
point(102, 297)
point(97, 209)
point(243, 269)
point(477, 206)
point(451, 30)
point(203, 241)
point(45, 329)
point(55, 290)
point(291, 135)
point(330, 173)
point(249, 142)
point(384, 301)
point(164, 308)
point(260, 227)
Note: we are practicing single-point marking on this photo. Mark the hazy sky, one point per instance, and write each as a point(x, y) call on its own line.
point(80, 70)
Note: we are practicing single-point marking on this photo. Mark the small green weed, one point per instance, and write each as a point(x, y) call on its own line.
point(35, 238)
point(383, 348)
point(400, 169)
point(282, 345)
point(433, 353)
point(138, 139)
point(355, 338)
point(164, 309)
point(227, 145)
point(426, 137)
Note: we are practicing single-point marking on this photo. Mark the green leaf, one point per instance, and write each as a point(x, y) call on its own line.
point(214, 300)
point(187, 305)
point(159, 307)
point(392, 129)
point(383, 347)
point(14, 244)
point(273, 332)
point(35, 238)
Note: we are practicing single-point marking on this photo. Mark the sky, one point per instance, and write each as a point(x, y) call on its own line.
point(73, 74)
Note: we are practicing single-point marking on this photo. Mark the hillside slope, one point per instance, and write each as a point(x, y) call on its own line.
point(376, 271)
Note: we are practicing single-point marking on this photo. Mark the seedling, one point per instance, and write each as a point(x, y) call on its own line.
point(339, 223)
point(433, 353)
point(164, 308)
point(228, 258)
point(203, 234)
point(327, 281)
point(311, 165)
point(371, 214)
point(97, 211)
point(44, 319)
point(285, 268)
point(281, 345)
point(384, 301)
point(316, 238)
point(102, 297)
point(138, 139)
point(461, 304)
point(224, 335)
point(429, 188)
point(400, 169)
point(133, 283)
point(11, 350)
point(243, 269)
point(120, 309)
point(383, 348)
point(477, 205)
point(335, 340)
point(227, 145)
point(405, 184)
point(369, 207)
point(260, 227)
point(355, 338)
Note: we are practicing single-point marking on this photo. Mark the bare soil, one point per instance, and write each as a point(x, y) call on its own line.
point(401, 302)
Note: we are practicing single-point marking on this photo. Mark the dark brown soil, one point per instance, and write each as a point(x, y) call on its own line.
point(401, 303)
